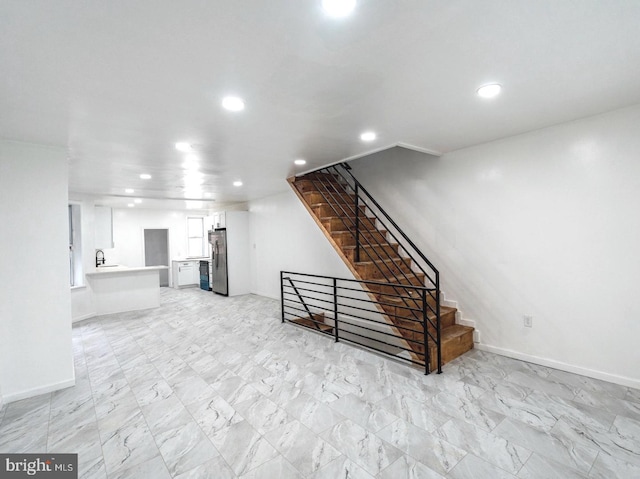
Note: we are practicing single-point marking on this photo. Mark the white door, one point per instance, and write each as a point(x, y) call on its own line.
point(156, 251)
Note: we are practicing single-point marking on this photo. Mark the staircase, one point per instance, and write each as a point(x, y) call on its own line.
point(375, 249)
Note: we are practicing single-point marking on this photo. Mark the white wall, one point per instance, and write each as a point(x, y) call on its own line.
point(35, 307)
point(238, 257)
point(128, 233)
point(546, 224)
point(283, 236)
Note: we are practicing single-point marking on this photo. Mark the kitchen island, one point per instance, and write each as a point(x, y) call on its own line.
point(118, 288)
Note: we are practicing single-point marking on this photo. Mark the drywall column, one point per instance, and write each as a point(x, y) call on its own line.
point(35, 305)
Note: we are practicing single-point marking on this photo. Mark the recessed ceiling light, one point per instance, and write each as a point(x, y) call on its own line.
point(368, 136)
point(237, 183)
point(489, 91)
point(338, 8)
point(130, 205)
point(129, 190)
point(145, 176)
point(185, 147)
point(233, 103)
point(137, 201)
point(300, 161)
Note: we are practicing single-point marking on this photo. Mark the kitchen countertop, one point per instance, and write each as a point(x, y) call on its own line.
point(198, 258)
point(120, 269)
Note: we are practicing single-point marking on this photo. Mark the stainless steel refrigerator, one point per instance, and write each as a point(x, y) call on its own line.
point(219, 271)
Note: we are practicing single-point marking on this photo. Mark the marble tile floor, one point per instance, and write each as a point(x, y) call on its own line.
point(214, 387)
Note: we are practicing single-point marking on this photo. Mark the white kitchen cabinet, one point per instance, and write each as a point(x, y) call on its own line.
point(103, 227)
point(185, 273)
point(219, 220)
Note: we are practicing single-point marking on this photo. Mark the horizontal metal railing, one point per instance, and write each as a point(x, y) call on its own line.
point(345, 309)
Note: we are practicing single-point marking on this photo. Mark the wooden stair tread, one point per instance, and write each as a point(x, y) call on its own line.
point(345, 232)
point(350, 247)
point(325, 328)
point(330, 203)
point(454, 332)
point(410, 295)
point(362, 218)
point(443, 310)
point(384, 260)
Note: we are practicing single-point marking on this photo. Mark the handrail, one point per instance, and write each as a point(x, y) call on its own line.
point(347, 168)
point(345, 301)
point(378, 261)
point(343, 215)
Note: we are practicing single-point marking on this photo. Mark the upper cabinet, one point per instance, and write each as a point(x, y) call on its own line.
point(219, 220)
point(103, 227)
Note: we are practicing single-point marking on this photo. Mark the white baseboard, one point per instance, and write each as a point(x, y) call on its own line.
point(39, 390)
point(265, 295)
point(552, 363)
point(83, 317)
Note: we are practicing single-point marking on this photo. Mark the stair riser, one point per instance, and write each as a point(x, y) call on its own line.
point(304, 186)
point(414, 279)
point(397, 314)
point(400, 306)
point(325, 210)
point(313, 197)
point(384, 270)
point(371, 253)
point(337, 224)
point(348, 239)
point(414, 301)
point(452, 349)
point(319, 176)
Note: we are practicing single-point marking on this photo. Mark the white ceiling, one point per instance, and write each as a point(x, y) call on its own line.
point(117, 83)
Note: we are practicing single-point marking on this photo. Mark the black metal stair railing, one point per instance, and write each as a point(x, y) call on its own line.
point(349, 216)
point(366, 221)
point(354, 316)
point(311, 317)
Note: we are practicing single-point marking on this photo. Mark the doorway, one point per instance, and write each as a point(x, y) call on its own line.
point(156, 251)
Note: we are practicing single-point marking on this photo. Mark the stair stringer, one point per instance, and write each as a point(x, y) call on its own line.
point(353, 270)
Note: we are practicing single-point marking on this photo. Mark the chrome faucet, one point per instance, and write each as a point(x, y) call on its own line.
point(99, 260)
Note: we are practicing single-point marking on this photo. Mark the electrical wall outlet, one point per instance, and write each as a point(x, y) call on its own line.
point(528, 321)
